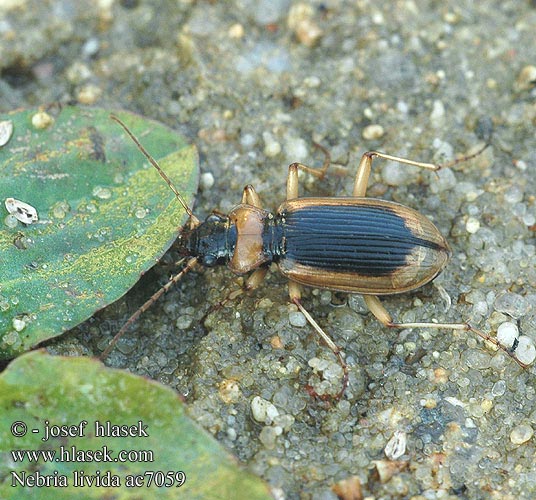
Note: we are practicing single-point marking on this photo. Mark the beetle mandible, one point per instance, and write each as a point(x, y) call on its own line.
point(351, 244)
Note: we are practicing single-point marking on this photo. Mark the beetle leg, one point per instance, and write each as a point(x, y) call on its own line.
point(363, 170)
point(318, 172)
point(292, 178)
point(250, 196)
point(383, 316)
point(253, 282)
point(255, 279)
point(295, 295)
point(294, 290)
point(292, 181)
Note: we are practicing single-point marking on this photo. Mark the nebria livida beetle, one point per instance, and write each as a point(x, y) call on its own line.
point(349, 244)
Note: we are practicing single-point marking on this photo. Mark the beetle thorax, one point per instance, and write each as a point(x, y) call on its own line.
point(251, 225)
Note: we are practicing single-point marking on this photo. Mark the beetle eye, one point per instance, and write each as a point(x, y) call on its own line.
point(213, 218)
point(209, 260)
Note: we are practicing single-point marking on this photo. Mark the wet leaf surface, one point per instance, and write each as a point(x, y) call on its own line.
point(105, 216)
point(38, 388)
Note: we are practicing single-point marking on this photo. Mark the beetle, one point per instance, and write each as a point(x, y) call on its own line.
point(356, 244)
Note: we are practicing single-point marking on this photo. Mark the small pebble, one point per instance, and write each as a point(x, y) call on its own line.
point(444, 151)
point(325, 297)
point(207, 180)
point(330, 369)
point(184, 321)
point(42, 120)
point(268, 436)
point(378, 18)
point(513, 304)
point(387, 469)
point(91, 47)
point(247, 141)
point(396, 446)
point(296, 318)
point(6, 131)
point(454, 401)
point(18, 324)
point(372, 132)
point(437, 116)
point(451, 17)
point(514, 195)
point(312, 82)
point(521, 165)
point(472, 225)
point(236, 31)
point(481, 307)
point(89, 94)
point(269, 11)
point(402, 107)
point(263, 411)
point(271, 146)
point(443, 181)
point(77, 73)
point(21, 211)
point(525, 351)
point(521, 434)
point(486, 405)
point(499, 388)
point(348, 488)
point(529, 219)
point(296, 149)
point(526, 78)
point(507, 334)
point(229, 391)
point(276, 342)
point(300, 21)
point(11, 221)
point(285, 422)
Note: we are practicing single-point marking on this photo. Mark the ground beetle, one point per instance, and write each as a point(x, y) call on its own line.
point(347, 244)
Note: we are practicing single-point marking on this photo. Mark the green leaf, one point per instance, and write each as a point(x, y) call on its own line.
point(38, 388)
point(105, 216)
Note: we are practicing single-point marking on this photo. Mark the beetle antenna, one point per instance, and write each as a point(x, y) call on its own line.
point(172, 281)
point(484, 131)
point(465, 158)
point(193, 219)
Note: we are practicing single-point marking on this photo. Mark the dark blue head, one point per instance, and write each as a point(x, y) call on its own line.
point(212, 242)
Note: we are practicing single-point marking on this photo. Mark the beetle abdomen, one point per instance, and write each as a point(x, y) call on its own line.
point(359, 245)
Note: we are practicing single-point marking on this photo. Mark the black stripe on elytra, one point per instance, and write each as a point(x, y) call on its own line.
point(366, 239)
